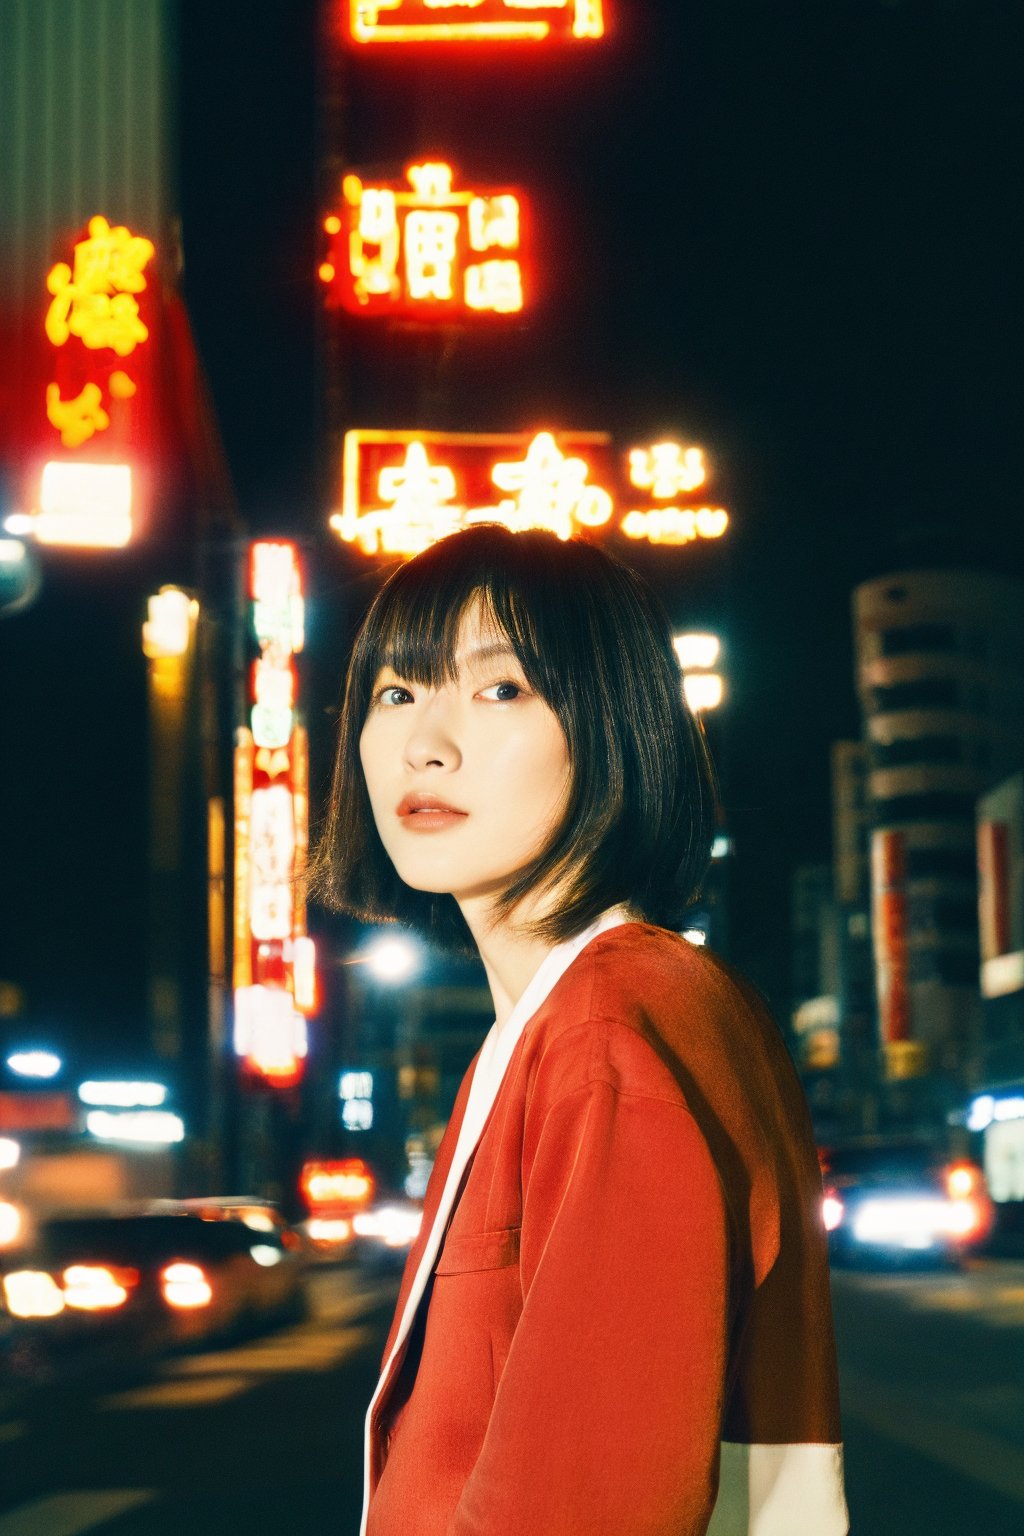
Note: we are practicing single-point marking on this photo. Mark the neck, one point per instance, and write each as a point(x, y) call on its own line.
point(510, 957)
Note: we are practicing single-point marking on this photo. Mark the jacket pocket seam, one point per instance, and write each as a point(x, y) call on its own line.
point(472, 1252)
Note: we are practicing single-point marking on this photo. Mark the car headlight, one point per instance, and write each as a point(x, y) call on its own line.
point(903, 1221)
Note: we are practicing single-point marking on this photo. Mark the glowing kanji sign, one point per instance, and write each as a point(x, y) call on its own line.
point(402, 491)
point(274, 963)
point(97, 303)
point(426, 250)
point(92, 401)
point(668, 472)
point(474, 21)
point(94, 299)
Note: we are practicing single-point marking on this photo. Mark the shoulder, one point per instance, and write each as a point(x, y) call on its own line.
point(628, 1011)
point(646, 977)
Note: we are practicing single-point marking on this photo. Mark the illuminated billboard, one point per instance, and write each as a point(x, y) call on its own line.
point(474, 21)
point(274, 979)
point(402, 491)
point(97, 406)
point(426, 249)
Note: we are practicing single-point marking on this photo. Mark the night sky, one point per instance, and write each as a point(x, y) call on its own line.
point(791, 232)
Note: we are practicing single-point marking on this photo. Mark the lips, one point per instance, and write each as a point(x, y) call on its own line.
point(414, 804)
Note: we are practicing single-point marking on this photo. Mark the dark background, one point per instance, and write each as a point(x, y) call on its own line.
point(790, 232)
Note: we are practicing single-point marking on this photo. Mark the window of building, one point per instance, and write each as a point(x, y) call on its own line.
point(951, 967)
point(941, 863)
point(917, 637)
point(922, 693)
point(934, 805)
point(945, 914)
point(916, 749)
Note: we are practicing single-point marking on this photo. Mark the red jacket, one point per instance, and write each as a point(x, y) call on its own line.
point(633, 1288)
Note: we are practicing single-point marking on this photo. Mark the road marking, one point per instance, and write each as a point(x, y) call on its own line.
point(309, 1352)
point(977, 1294)
point(898, 1416)
point(343, 1309)
point(177, 1394)
point(67, 1514)
point(12, 1431)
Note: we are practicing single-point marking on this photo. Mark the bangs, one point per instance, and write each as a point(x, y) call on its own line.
point(415, 623)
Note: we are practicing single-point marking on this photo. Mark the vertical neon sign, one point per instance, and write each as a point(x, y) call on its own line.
point(274, 961)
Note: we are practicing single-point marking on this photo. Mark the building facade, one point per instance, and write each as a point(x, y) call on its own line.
point(940, 677)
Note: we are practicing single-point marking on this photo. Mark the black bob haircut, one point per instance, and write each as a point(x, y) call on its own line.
point(595, 643)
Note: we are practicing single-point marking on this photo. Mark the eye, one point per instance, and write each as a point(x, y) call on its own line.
point(507, 691)
point(385, 697)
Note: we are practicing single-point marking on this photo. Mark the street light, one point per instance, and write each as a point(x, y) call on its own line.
point(392, 958)
point(703, 690)
point(698, 653)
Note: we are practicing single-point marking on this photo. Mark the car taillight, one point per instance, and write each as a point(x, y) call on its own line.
point(185, 1285)
point(962, 1179)
point(32, 1293)
point(11, 1224)
point(95, 1288)
point(970, 1209)
point(831, 1212)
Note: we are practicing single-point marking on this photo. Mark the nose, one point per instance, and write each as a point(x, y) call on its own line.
point(431, 742)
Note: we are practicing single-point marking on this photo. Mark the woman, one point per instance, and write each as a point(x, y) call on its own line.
point(616, 1319)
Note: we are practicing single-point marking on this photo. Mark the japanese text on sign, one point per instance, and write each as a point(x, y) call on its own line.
point(402, 491)
point(469, 21)
point(95, 302)
point(425, 249)
point(274, 962)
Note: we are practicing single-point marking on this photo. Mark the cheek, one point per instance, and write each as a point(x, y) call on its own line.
point(536, 760)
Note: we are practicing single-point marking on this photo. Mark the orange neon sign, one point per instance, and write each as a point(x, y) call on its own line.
point(95, 302)
point(93, 401)
point(669, 472)
point(424, 249)
point(402, 491)
point(475, 21)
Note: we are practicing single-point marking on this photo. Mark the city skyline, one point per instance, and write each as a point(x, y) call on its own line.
point(825, 299)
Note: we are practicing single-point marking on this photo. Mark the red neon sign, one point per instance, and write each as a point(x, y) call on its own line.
point(97, 307)
point(402, 491)
point(474, 21)
point(95, 408)
point(425, 249)
point(274, 963)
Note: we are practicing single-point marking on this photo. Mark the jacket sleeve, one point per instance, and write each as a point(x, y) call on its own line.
point(606, 1415)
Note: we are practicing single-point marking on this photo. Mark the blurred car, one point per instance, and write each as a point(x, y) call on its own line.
point(258, 1215)
point(902, 1198)
point(154, 1280)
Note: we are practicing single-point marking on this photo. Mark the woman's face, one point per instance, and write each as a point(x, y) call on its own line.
point(485, 746)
